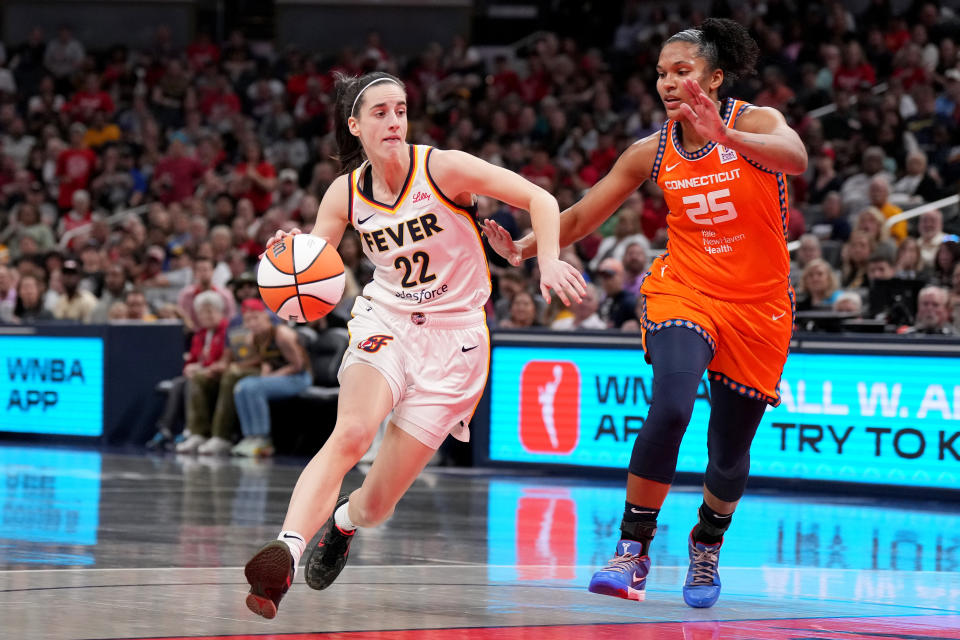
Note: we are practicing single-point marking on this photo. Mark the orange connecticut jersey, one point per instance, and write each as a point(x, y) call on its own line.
point(728, 217)
point(426, 249)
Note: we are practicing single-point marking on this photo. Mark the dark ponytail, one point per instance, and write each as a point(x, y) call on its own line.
point(349, 150)
point(724, 44)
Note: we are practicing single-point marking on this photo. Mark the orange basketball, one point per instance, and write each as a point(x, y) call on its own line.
point(301, 278)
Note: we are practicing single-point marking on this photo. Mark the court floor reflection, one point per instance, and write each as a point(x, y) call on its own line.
point(126, 546)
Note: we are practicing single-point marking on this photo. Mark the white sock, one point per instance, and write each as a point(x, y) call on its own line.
point(296, 543)
point(342, 519)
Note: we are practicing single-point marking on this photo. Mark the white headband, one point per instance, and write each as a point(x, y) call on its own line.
point(355, 100)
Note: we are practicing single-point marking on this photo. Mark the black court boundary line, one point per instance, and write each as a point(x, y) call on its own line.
point(531, 626)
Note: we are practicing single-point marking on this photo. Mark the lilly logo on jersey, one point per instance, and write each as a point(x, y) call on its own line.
point(374, 343)
point(406, 232)
point(550, 406)
point(420, 196)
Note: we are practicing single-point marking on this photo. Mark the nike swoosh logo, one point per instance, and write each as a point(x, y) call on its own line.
point(632, 510)
point(359, 221)
point(637, 578)
point(287, 535)
point(775, 317)
point(671, 167)
point(465, 349)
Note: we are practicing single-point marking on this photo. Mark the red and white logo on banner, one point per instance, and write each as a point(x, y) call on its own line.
point(550, 406)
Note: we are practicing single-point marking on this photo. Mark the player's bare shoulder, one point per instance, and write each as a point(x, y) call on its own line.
point(638, 158)
point(759, 119)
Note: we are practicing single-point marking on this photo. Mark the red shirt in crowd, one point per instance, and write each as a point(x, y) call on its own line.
point(201, 53)
point(74, 168)
point(259, 197)
point(182, 172)
point(216, 104)
point(850, 78)
point(207, 345)
point(83, 103)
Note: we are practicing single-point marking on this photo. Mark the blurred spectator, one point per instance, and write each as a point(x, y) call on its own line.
point(137, 307)
point(871, 222)
point(177, 174)
point(204, 358)
point(203, 281)
point(856, 253)
point(16, 143)
point(947, 257)
point(880, 267)
point(27, 224)
point(8, 294)
point(933, 314)
point(848, 302)
point(835, 225)
point(284, 372)
point(115, 287)
point(74, 166)
point(635, 263)
point(930, 227)
point(819, 288)
point(289, 194)
point(808, 251)
point(825, 176)
point(909, 261)
point(255, 178)
point(856, 189)
point(618, 305)
point(77, 222)
point(626, 231)
point(87, 101)
point(30, 307)
point(216, 384)
point(584, 313)
point(880, 198)
point(523, 312)
point(74, 304)
point(918, 185)
point(64, 56)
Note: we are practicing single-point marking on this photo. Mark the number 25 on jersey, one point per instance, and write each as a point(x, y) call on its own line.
point(708, 204)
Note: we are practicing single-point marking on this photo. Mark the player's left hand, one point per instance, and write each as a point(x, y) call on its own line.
point(562, 278)
point(702, 113)
point(501, 242)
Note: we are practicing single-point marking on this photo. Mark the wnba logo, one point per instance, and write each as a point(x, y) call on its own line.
point(550, 406)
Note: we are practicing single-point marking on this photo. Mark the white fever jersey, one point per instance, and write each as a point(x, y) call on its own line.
point(426, 249)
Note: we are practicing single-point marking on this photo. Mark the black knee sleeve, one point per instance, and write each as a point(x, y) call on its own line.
point(733, 424)
point(679, 357)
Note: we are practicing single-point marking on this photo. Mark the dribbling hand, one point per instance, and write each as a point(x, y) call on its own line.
point(277, 237)
point(501, 242)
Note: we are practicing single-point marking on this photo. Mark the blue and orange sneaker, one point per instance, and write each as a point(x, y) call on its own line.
point(626, 575)
point(701, 589)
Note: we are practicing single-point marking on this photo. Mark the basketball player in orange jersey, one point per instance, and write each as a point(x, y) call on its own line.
point(718, 300)
point(419, 343)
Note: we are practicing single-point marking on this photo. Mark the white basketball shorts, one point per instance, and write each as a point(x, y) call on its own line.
point(435, 363)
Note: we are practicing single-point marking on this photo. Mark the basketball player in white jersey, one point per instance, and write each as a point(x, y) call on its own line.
point(419, 343)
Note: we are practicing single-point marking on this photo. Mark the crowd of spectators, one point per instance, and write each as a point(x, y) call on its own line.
point(135, 180)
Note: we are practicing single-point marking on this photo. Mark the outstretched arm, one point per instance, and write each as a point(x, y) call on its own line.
point(632, 168)
point(458, 173)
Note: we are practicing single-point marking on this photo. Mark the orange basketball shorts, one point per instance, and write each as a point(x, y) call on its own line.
point(749, 340)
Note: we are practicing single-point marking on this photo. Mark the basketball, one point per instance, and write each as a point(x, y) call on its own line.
point(301, 278)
